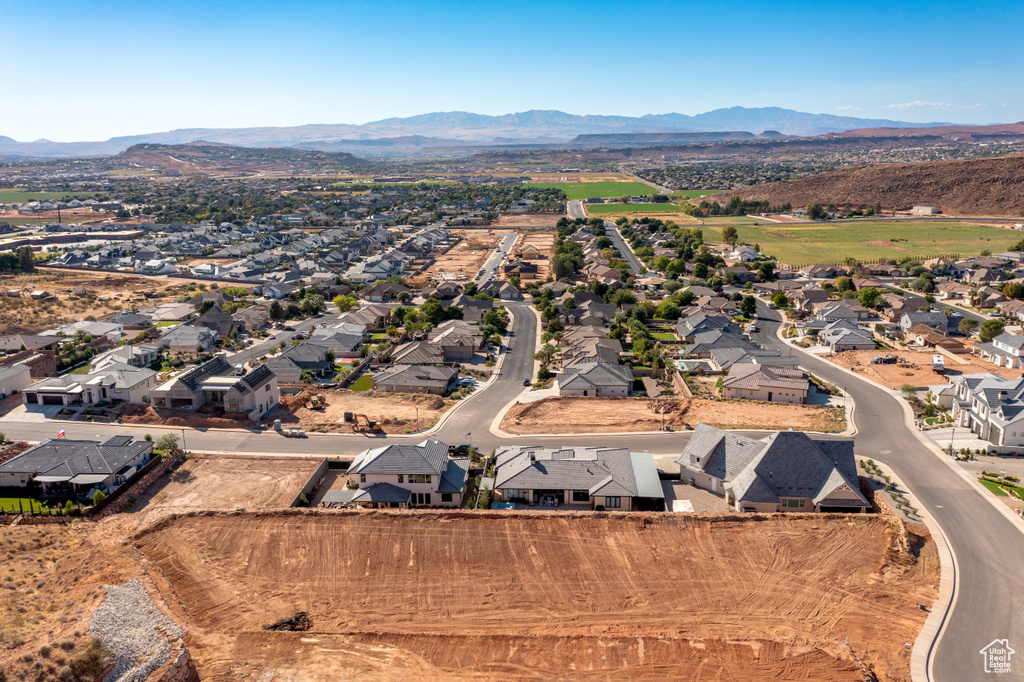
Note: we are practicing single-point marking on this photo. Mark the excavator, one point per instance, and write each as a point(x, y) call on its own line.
point(363, 424)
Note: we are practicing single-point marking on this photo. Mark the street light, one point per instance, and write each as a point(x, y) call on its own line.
point(183, 448)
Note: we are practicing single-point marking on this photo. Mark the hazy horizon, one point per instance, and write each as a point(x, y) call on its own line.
point(101, 69)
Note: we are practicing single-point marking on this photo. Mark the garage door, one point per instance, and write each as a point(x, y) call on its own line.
point(53, 400)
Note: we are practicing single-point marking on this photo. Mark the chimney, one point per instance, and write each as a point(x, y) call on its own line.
point(1003, 395)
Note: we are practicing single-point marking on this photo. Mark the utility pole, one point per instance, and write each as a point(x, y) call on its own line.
point(183, 448)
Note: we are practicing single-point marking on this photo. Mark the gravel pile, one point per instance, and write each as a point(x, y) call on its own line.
point(134, 630)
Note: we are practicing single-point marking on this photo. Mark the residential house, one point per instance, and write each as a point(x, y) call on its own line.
point(14, 378)
point(590, 349)
point(116, 382)
point(458, 339)
point(374, 318)
point(415, 379)
point(595, 379)
point(308, 356)
point(76, 468)
point(216, 320)
point(418, 353)
point(1005, 350)
point(382, 292)
point(403, 476)
point(186, 342)
point(138, 355)
point(991, 406)
point(501, 290)
point(823, 271)
point(785, 471)
point(255, 393)
point(764, 382)
point(844, 335)
point(612, 479)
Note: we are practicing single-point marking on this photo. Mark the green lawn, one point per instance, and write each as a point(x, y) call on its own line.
point(167, 323)
point(10, 496)
point(363, 383)
point(585, 190)
point(17, 196)
point(868, 241)
point(379, 337)
point(693, 193)
point(994, 489)
point(663, 336)
point(633, 208)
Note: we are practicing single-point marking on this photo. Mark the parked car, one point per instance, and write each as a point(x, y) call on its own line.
point(526, 382)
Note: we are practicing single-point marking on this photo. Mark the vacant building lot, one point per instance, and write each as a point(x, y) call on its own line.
point(529, 595)
point(227, 482)
point(613, 415)
point(396, 412)
point(914, 368)
point(464, 259)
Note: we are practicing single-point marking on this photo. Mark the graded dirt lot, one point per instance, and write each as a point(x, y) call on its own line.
point(437, 595)
point(226, 482)
point(545, 243)
point(396, 412)
point(527, 220)
point(917, 369)
point(106, 293)
point(466, 257)
point(611, 415)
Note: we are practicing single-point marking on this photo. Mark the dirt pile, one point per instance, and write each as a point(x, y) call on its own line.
point(517, 595)
point(987, 187)
point(147, 414)
point(300, 622)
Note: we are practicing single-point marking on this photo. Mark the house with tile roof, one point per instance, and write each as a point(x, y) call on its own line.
point(415, 379)
point(766, 382)
point(65, 467)
point(256, 392)
point(115, 382)
point(595, 379)
point(1005, 350)
point(613, 479)
point(785, 471)
point(403, 476)
point(991, 406)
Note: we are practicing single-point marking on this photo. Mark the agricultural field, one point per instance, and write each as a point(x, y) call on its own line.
point(584, 190)
point(868, 241)
point(534, 595)
point(623, 209)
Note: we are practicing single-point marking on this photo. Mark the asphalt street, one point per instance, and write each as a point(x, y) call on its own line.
point(495, 259)
point(989, 548)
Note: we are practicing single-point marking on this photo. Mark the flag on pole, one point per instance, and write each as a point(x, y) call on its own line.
point(468, 435)
point(60, 434)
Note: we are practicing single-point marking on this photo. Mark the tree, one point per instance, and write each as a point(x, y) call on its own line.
point(729, 235)
point(700, 271)
point(166, 443)
point(766, 271)
point(26, 262)
point(544, 354)
point(989, 330)
point(748, 306)
point(780, 300)
point(816, 212)
point(869, 297)
point(668, 310)
point(276, 311)
point(432, 312)
point(307, 377)
point(968, 325)
point(844, 283)
point(908, 391)
point(312, 303)
point(345, 303)
point(98, 496)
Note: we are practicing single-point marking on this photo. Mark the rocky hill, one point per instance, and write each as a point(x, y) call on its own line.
point(984, 187)
point(213, 157)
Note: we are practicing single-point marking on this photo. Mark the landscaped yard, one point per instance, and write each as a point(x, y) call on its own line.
point(10, 497)
point(633, 208)
point(363, 383)
point(993, 488)
point(379, 337)
point(868, 241)
point(585, 190)
point(663, 336)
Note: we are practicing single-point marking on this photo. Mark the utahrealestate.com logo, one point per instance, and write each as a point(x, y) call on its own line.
point(997, 656)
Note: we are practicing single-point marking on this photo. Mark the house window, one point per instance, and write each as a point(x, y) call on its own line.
point(401, 478)
point(267, 387)
point(420, 498)
point(419, 478)
point(446, 497)
point(612, 502)
point(581, 496)
point(515, 494)
point(362, 478)
point(793, 503)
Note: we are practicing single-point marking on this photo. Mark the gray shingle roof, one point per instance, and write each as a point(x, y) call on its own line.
point(66, 458)
point(428, 457)
point(600, 471)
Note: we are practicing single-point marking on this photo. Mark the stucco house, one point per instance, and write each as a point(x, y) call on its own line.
point(578, 477)
point(403, 476)
point(1005, 350)
point(415, 379)
point(255, 393)
point(116, 382)
point(991, 407)
point(763, 382)
point(786, 471)
point(595, 379)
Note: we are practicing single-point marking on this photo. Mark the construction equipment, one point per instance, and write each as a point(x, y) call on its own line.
point(316, 402)
point(887, 359)
point(362, 424)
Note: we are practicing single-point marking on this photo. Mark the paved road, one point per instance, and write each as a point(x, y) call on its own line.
point(988, 546)
point(496, 258)
point(574, 209)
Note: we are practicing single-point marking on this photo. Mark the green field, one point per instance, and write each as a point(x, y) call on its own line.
point(663, 336)
point(585, 190)
point(633, 208)
point(17, 196)
point(869, 241)
point(363, 383)
point(693, 193)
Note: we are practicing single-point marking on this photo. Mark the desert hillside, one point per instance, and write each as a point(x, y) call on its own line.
point(990, 187)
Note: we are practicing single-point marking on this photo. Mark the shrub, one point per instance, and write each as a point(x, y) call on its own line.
point(149, 437)
point(98, 497)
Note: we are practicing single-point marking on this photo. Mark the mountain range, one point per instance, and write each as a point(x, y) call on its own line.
point(459, 129)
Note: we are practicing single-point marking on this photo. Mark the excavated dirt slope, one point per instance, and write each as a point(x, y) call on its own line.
point(500, 596)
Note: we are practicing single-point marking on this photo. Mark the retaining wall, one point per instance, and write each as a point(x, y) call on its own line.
point(312, 484)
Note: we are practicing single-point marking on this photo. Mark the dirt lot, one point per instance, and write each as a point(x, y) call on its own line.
point(118, 291)
point(611, 415)
point(467, 256)
point(527, 220)
point(397, 413)
point(919, 372)
point(226, 482)
point(545, 242)
point(438, 595)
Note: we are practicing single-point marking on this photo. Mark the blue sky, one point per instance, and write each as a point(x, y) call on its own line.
point(93, 69)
